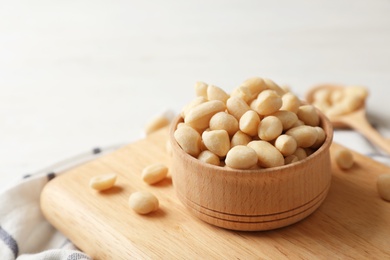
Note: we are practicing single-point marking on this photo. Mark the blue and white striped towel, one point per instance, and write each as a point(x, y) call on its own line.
point(24, 232)
point(26, 235)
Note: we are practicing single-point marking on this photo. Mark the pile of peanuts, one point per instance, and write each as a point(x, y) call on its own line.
point(340, 101)
point(259, 125)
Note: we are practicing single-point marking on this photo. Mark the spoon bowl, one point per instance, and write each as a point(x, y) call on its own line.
point(356, 119)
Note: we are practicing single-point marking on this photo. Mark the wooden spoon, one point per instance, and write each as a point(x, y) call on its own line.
point(356, 120)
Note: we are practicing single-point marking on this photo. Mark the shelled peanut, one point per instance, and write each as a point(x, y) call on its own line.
point(340, 101)
point(259, 125)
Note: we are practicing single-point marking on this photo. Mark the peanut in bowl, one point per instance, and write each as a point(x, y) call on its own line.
point(250, 200)
point(268, 192)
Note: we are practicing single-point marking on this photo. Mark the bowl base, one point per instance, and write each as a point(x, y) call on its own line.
point(254, 223)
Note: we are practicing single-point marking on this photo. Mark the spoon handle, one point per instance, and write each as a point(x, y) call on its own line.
point(360, 123)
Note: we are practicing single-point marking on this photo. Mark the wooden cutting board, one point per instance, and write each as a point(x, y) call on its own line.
point(352, 223)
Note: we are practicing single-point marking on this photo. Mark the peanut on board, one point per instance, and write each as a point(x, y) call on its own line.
point(344, 158)
point(156, 124)
point(143, 202)
point(103, 182)
point(154, 173)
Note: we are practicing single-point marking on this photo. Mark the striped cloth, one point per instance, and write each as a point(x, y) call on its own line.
point(26, 235)
point(24, 232)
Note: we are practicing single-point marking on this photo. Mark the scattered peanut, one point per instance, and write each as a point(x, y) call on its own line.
point(143, 202)
point(156, 124)
point(344, 158)
point(103, 182)
point(383, 185)
point(154, 173)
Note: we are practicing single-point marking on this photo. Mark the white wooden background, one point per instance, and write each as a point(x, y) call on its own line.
point(75, 75)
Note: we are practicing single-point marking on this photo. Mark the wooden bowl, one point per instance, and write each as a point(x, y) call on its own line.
point(251, 200)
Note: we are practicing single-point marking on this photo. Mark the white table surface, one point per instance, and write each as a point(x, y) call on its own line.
point(75, 75)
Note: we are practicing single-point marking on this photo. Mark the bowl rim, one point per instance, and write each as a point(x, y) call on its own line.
point(325, 124)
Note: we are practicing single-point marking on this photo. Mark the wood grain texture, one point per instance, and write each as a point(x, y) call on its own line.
point(353, 222)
